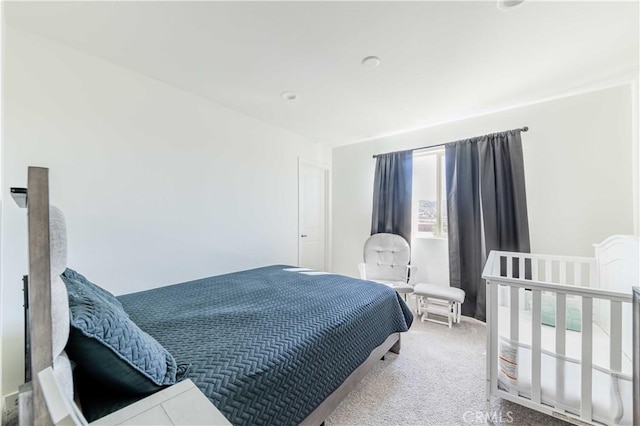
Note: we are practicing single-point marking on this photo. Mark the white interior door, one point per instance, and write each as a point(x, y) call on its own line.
point(312, 206)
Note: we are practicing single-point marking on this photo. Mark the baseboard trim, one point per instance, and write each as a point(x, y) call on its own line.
point(473, 320)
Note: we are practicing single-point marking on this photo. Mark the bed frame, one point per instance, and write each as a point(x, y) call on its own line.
point(615, 263)
point(33, 408)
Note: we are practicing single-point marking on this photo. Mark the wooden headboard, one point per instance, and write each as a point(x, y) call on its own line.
point(40, 331)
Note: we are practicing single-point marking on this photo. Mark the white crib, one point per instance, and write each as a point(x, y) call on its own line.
point(576, 366)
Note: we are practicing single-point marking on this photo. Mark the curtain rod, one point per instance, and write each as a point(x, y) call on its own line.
point(522, 129)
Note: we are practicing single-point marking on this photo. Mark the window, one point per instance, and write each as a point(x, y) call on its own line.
point(429, 211)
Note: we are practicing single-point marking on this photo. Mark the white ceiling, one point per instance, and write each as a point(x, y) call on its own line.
point(441, 61)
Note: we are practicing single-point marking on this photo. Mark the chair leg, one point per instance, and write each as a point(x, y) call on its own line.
point(451, 314)
point(425, 309)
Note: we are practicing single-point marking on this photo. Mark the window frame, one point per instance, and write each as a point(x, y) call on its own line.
point(439, 233)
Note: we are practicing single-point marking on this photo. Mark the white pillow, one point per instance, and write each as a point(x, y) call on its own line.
point(59, 298)
point(57, 241)
point(60, 321)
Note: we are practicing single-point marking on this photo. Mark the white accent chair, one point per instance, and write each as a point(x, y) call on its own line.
point(386, 261)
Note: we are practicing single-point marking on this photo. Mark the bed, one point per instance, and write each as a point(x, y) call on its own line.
point(272, 345)
point(559, 331)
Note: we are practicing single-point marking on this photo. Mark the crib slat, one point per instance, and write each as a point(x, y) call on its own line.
point(561, 334)
point(514, 326)
point(492, 336)
point(509, 267)
point(561, 323)
point(521, 269)
point(536, 352)
point(563, 272)
point(615, 356)
point(534, 269)
point(515, 313)
point(587, 358)
point(577, 273)
point(547, 271)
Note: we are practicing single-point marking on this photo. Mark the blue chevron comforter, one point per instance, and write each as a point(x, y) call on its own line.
point(267, 345)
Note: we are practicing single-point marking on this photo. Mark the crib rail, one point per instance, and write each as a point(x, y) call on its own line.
point(554, 277)
point(563, 276)
point(570, 270)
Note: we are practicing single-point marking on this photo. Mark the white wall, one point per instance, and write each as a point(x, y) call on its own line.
point(578, 172)
point(159, 186)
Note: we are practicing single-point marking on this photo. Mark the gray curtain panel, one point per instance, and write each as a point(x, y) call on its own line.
point(392, 194)
point(487, 209)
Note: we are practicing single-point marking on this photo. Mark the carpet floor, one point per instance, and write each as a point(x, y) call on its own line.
point(438, 379)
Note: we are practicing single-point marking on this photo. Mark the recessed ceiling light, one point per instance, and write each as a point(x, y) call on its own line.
point(290, 96)
point(371, 62)
point(509, 4)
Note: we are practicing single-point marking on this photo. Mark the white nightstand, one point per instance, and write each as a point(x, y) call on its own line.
point(180, 404)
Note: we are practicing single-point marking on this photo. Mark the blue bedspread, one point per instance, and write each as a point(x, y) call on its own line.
point(268, 345)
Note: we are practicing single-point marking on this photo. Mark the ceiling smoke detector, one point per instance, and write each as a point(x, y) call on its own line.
point(289, 96)
point(371, 62)
point(509, 4)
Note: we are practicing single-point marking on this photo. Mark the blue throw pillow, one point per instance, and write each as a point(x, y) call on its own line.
point(109, 347)
point(71, 275)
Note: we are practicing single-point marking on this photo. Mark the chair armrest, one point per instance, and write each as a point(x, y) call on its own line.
point(412, 272)
point(363, 271)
